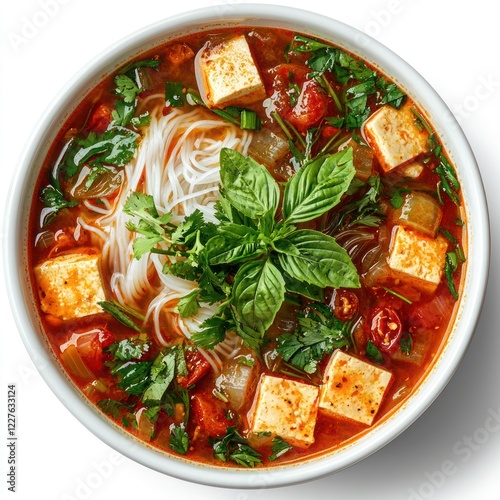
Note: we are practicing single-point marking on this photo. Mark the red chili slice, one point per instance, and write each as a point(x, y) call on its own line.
point(346, 304)
point(386, 329)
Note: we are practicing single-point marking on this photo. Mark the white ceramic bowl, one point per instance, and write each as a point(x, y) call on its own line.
point(16, 244)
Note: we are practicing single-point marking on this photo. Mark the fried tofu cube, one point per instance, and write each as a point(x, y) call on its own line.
point(227, 74)
point(419, 259)
point(287, 409)
point(394, 137)
point(352, 388)
point(70, 286)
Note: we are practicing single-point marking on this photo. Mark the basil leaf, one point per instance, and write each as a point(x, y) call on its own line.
point(258, 292)
point(311, 291)
point(321, 261)
point(248, 186)
point(282, 245)
point(318, 187)
point(231, 251)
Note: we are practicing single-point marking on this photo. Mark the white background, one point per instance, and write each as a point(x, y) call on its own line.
point(448, 453)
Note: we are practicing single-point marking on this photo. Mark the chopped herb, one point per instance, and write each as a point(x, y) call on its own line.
point(52, 197)
point(364, 209)
point(113, 407)
point(247, 361)
point(119, 313)
point(319, 333)
point(188, 305)
point(279, 447)
point(115, 147)
point(244, 118)
point(235, 447)
point(175, 94)
point(128, 349)
point(406, 343)
point(249, 245)
point(397, 197)
point(450, 266)
point(358, 80)
point(373, 353)
point(212, 331)
point(398, 295)
point(179, 439)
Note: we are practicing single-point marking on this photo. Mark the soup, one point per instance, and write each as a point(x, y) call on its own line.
point(247, 247)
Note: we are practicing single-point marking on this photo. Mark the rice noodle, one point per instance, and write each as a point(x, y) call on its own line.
point(177, 163)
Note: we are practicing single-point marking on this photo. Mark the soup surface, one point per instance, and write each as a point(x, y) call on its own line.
point(247, 247)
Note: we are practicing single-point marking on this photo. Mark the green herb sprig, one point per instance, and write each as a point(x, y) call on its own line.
point(250, 260)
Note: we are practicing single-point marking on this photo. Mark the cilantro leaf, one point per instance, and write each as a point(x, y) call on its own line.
point(406, 343)
point(179, 439)
point(319, 333)
point(52, 197)
point(113, 407)
point(235, 447)
point(134, 377)
point(154, 63)
point(128, 349)
point(116, 146)
point(188, 304)
point(279, 447)
point(211, 332)
point(162, 374)
point(373, 353)
point(127, 88)
point(175, 94)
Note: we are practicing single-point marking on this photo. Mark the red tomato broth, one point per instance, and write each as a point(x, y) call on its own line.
point(419, 318)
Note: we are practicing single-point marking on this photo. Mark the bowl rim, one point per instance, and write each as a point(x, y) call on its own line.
point(478, 242)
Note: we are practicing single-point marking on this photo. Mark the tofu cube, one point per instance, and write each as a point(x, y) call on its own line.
point(352, 388)
point(70, 286)
point(227, 75)
point(419, 259)
point(286, 408)
point(394, 137)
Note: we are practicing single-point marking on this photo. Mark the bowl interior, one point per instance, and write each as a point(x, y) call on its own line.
point(474, 279)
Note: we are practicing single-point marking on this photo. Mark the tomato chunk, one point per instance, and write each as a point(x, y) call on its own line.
point(311, 107)
point(386, 329)
point(197, 367)
point(100, 118)
point(90, 346)
point(209, 414)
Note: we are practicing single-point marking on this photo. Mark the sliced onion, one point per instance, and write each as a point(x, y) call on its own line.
point(74, 363)
point(145, 427)
point(416, 355)
point(268, 148)
point(235, 382)
point(105, 184)
point(419, 211)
